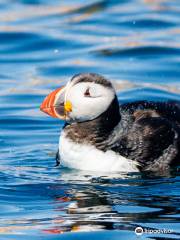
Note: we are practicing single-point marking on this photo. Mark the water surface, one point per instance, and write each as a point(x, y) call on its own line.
point(135, 43)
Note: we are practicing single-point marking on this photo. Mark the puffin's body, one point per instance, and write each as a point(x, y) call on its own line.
point(100, 135)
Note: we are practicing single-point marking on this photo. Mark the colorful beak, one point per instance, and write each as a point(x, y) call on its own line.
point(53, 104)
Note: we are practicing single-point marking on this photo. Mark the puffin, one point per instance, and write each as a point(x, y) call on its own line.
point(101, 134)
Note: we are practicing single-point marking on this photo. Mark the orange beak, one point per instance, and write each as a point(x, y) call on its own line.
point(53, 104)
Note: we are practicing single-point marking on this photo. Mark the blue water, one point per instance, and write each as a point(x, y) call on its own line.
point(136, 44)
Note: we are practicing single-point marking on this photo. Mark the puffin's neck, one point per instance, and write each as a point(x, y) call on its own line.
point(96, 131)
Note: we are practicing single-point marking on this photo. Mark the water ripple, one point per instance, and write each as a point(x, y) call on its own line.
point(42, 44)
point(141, 51)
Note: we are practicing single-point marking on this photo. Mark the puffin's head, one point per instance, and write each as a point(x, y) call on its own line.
point(85, 97)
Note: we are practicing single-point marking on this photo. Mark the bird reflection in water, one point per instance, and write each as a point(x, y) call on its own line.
point(98, 205)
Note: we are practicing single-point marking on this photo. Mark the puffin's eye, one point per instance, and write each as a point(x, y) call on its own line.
point(87, 93)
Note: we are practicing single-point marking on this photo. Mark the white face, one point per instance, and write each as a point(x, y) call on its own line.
point(89, 100)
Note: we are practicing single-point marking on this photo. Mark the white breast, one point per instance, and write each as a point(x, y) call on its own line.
point(87, 157)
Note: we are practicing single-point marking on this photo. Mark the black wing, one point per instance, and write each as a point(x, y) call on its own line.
point(153, 138)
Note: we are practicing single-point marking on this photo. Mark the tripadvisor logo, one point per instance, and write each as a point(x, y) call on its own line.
point(139, 231)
